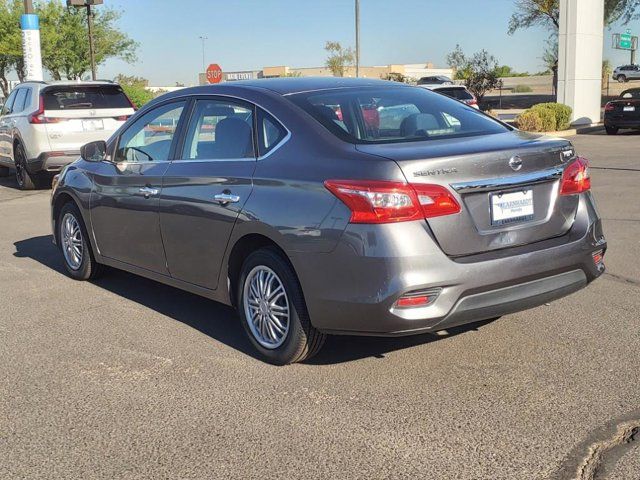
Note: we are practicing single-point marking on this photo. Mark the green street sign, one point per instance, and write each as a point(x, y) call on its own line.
point(626, 40)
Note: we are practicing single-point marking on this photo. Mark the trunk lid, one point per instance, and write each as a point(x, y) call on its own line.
point(477, 171)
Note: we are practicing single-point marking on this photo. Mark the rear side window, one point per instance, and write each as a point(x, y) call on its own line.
point(72, 97)
point(394, 114)
point(18, 104)
point(270, 133)
point(8, 106)
point(457, 93)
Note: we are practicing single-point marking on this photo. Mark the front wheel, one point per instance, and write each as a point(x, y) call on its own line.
point(273, 311)
point(611, 130)
point(622, 79)
point(74, 243)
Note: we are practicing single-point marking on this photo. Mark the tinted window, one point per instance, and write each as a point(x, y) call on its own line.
point(150, 137)
point(271, 132)
point(9, 103)
point(219, 129)
point(457, 93)
point(394, 114)
point(18, 104)
point(83, 96)
point(635, 93)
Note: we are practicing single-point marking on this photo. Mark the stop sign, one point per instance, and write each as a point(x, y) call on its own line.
point(214, 73)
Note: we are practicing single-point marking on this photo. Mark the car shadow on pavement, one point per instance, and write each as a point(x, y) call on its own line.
point(218, 321)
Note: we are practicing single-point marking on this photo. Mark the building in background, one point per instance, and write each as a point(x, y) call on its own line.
point(413, 71)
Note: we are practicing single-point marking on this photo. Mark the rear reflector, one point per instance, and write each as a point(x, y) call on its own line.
point(373, 201)
point(598, 256)
point(418, 299)
point(576, 178)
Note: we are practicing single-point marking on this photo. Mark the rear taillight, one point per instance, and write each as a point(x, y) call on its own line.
point(576, 178)
point(472, 101)
point(387, 202)
point(122, 118)
point(609, 106)
point(38, 117)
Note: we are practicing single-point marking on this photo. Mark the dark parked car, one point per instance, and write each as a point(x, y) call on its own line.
point(435, 80)
point(309, 223)
point(623, 112)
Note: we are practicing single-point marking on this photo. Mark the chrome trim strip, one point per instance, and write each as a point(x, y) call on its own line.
point(508, 182)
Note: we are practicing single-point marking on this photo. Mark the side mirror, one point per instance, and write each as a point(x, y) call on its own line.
point(94, 151)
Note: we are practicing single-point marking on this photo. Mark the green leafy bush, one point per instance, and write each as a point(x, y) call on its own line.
point(548, 117)
point(138, 94)
point(529, 121)
point(562, 113)
point(522, 89)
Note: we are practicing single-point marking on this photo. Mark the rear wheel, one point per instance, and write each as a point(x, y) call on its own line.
point(611, 130)
point(74, 243)
point(25, 180)
point(273, 311)
point(622, 78)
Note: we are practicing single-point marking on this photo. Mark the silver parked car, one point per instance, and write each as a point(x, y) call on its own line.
point(332, 206)
point(625, 73)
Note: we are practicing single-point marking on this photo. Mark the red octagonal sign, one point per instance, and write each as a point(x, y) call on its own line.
point(214, 73)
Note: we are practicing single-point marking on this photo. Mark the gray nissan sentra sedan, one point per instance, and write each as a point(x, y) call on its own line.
point(332, 206)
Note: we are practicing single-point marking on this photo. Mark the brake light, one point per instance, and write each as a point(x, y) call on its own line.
point(609, 107)
point(38, 117)
point(576, 177)
point(388, 202)
point(472, 101)
point(122, 118)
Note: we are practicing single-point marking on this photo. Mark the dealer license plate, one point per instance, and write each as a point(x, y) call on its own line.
point(511, 207)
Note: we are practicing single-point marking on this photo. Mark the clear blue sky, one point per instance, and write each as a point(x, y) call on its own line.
point(251, 34)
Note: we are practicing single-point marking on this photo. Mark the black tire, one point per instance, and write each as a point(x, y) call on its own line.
point(88, 268)
point(5, 172)
point(611, 130)
point(25, 180)
point(302, 340)
point(622, 78)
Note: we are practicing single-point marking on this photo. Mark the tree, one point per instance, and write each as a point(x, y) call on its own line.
point(135, 88)
point(396, 77)
point(10, 42)
point(65, 46)
point(131, 80)
point(339, 58)
point(546, 13)
point(480, 71)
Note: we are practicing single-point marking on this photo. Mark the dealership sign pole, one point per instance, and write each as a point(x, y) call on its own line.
point(30, 27)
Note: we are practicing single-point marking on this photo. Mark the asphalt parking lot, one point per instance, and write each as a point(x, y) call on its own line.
point(125, 378)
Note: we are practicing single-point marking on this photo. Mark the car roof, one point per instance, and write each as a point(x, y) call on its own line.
point(68, 83)
point(288, 86)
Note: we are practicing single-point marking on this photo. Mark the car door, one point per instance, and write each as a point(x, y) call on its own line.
point(206, 187)
point(6, 120)
point(126, 192)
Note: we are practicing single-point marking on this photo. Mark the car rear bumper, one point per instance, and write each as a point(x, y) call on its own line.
point(622, 123)
point(353, 289)
point(51, 161)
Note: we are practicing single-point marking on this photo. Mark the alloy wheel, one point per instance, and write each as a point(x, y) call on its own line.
point(266, 307)
point(72, 241)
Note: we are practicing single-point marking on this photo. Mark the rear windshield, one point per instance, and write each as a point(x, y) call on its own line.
point(71, 97)
point(635, 93)
point(457, 93)
point(394, 114)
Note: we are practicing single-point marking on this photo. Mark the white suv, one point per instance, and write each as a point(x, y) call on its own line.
point(43, 125)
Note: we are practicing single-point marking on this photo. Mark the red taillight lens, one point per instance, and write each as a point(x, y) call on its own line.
point(38, 117)
point(122, 118)
point(576, 178)
point(387, 202)
point(412, 302)
point(609, 106)
point(473, 101)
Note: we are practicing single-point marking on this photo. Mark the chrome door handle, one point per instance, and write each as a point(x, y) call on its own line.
point(148, 191)
point(224, 198)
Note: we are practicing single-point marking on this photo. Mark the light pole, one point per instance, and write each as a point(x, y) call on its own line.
point(30, 27)
point(357, 38)
point(87, 4)
point(203, 38)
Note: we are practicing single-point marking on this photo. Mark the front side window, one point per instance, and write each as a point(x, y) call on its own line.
point(150, 137)
point(219, 129)
point(394, 114)
point(8, 106)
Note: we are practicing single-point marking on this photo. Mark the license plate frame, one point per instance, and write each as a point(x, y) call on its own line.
point(92, 125)
point(510, 207)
